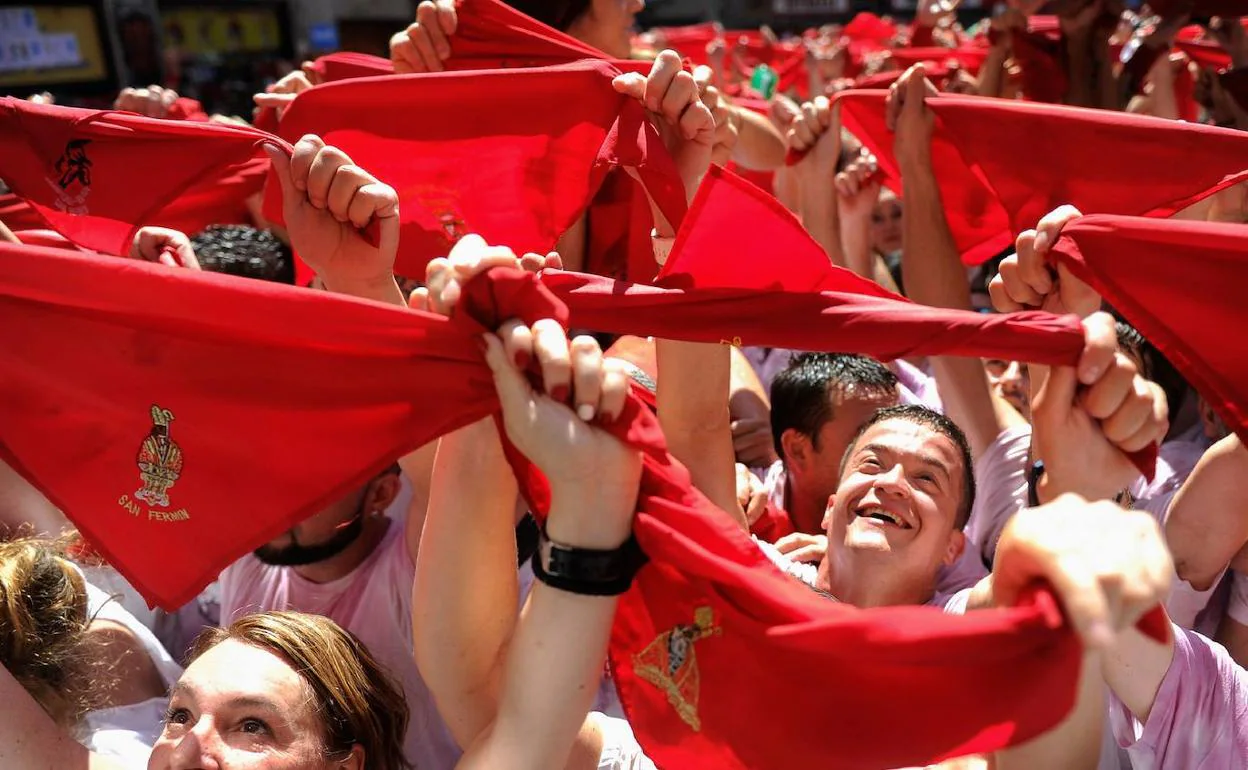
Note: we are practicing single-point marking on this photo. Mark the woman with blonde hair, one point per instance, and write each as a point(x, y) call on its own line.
point(273, 691)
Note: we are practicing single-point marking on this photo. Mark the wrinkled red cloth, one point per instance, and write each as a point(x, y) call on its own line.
point(97, 176)
point(185, 108)
point(991, 192)
point(490, 35)
point(969, 57)
point(17, 214)
point(130, 406)
point(509, 157)
point(1180, 283)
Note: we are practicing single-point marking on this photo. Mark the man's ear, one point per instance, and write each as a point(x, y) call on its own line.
point(382, 492)
point(954, 548)
point(797, 449)
point(827, 513)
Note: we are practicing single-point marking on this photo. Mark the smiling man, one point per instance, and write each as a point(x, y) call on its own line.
point(896, 518)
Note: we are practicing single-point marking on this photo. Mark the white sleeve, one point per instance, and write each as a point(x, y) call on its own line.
point(620, 750)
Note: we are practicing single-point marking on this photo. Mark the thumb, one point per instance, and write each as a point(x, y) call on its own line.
point(631, 84)
point(1057, 395)
point(916, 89)
point(281, 169)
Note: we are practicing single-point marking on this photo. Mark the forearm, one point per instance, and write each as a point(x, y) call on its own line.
point(1135, 667)
point(817, 205)
point(992, 74)
point(1205, 525)
point(693, 389)
point(30, 739)
point(552, 676)
point(760, 147)
point(856, 245)
point(935, 277)
point(555, 661)
point(1076, 741)
point(465, 592)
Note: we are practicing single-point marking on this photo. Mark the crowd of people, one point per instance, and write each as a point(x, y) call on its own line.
point(473, 603)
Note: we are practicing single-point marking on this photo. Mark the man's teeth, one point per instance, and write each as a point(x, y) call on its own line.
point(881, 515)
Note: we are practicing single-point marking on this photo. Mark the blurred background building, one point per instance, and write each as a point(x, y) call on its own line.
point(218, 51)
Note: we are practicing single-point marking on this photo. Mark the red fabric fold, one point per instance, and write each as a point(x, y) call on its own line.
point(97, 176)
point(120, 389)
point(1179, 283)
point(508, 157)
point(491, 35)
point(1074, 156)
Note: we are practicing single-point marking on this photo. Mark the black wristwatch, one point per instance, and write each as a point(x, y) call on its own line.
point(587, 571)
point(1034, 475)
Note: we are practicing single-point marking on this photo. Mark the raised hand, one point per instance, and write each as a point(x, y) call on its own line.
point(426, 43)
point(1025, 281)
point(1087, 417)
point(817, 133)
point(686, 124)
point(588, 469)
point(153, 101)
point(445, 277)
point(168, 247)
point(907, 115)
point(283, 92)
point(858, 188)
point(1108, 566)
point(327, 202)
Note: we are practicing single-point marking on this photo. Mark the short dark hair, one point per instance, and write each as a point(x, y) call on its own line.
point(553, 13)
point(244, 251)
point(800, 394)
point(928, 418)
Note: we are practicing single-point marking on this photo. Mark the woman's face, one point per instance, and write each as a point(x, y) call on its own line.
point(886, 225)
point(608, 26)
point(239, 707)
point(1012, 381)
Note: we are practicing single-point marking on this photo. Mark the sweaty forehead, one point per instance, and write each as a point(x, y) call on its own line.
point(232, 670)
point(907, 438)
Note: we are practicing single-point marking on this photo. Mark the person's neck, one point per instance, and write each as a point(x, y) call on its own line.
point(805, 509)
point(864, 582)
point(349, 558)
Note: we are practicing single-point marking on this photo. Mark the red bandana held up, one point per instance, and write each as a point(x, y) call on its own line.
point(991, 191)
point(491, 35)
point(96, 177)
point(128, 405)
point(1179, 283)
point(510, 157)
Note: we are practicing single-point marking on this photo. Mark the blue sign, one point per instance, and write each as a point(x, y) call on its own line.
point(323, 36)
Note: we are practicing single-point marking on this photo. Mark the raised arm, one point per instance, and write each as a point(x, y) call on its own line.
point(932, 267)
point(694, 378)
point(1207, 522)
point(817, 133)
point(556, 657)
point(30, 739)
point(328, 202)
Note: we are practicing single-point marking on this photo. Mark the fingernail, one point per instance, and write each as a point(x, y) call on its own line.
point(522, 359)
point(585, 412)
point(1089, 374)
point(560, 393)
point(1042, 242)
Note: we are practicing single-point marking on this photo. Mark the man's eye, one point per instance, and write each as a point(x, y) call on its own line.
point(254, 727)
point(870, 464)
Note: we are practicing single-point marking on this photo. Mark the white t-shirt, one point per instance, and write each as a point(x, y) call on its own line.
point(620, 750)
point(126, 734)
point(374, 602)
